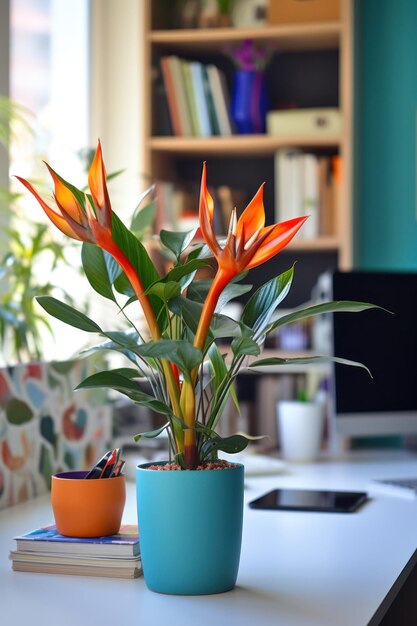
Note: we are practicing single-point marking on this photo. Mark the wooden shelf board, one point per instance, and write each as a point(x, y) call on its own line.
point(319, 36)
point(242, 145)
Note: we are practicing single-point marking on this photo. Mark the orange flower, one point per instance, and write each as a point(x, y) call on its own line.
point(76, 214)
point(249, 243)
point(89, 218)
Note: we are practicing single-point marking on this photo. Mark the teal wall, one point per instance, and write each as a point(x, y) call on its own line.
point(385, 134)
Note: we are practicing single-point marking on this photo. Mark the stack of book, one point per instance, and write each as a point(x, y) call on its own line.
point(45, 550)
point(197, 96)
point(307, 184)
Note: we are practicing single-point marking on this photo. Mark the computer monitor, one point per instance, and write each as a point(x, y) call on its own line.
point(386, 343)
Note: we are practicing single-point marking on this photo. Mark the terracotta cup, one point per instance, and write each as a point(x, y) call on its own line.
point(87, 508)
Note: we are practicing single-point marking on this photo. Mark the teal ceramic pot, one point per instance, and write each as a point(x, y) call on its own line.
point(190, 529)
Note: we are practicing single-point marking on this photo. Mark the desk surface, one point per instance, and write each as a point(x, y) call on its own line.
point(296, 568)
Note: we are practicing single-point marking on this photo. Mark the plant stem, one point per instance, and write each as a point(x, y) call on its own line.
point(219, 283)
point(187, 399)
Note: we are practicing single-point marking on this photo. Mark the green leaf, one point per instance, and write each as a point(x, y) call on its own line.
point(165, 291)
point(189, 310)
point(151, 434)
point(122, 285)
point(199, 289)
point(232, 444)
point(126, 386)
point(245, 345)
point(221, 376)
point(221, 325)
point(177, 242)
point(218, 366)
point(180, 352)
point(179, 422)
point(123, 342)
point(112, 175)
point(175, 422)
point(307, 360)
point(195, 251)
point(126, 339)
point(138, 256)
point(148, 192)
point(126, 372)
point(179, 271)
point(68, 314)
point(101, 269)
point(340, 306)
point(261, 306)
point(144, 218)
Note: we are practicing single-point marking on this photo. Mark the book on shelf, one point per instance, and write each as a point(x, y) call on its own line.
point(327, 198)
point(197, 98)
point(218, 87)
point(162, 114)
point(214, 122)
point(44, 550)
point(306, 184)
point(200, 99)
point(180, 95)
point(310, 195)
point(288, 185)
point(192, 97)
point(170, 95)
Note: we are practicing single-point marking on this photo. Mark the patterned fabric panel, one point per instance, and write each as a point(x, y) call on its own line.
point(47, 427)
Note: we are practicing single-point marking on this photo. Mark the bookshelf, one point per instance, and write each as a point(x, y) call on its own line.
point(249, 158)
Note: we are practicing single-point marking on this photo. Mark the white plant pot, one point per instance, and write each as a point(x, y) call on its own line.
point(300, 428)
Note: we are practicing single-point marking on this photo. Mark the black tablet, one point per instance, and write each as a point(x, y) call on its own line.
point(310, 500)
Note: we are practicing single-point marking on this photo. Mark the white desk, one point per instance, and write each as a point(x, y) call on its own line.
point(296, 568)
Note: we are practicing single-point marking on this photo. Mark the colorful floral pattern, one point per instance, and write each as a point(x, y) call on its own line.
point(46, 427)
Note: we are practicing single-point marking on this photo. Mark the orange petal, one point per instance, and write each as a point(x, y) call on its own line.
point(98, 188)
point(253, 217)
point(96, 177)
point(206, 210)
point(279, 236)
point(65, 198)
point(56, 218)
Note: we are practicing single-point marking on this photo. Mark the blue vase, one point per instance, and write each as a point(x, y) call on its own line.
point(190, 528)
point(249, 101)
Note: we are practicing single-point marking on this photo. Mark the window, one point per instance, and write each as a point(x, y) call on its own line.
point(49, 77)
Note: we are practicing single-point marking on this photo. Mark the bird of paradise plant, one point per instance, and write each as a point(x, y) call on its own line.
point(188, 374)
